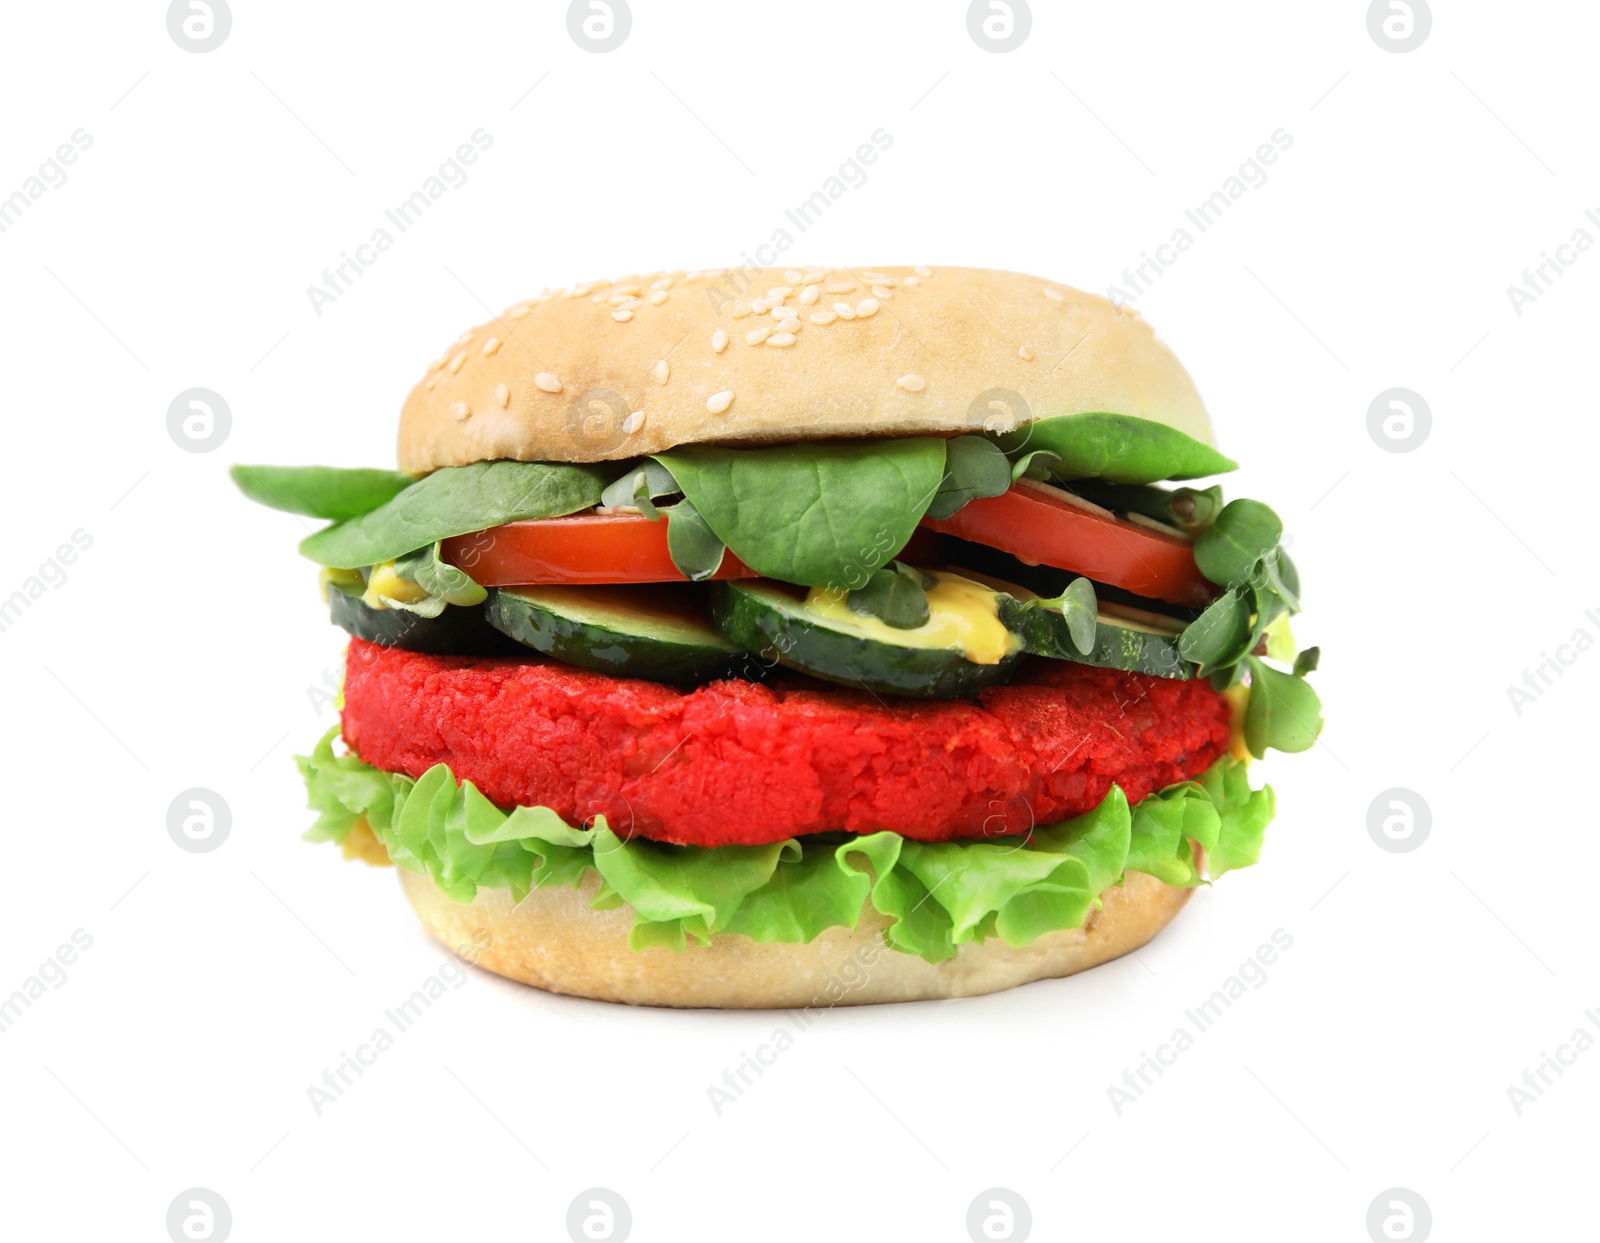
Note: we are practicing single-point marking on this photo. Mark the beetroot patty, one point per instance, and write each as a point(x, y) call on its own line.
point(738, 763)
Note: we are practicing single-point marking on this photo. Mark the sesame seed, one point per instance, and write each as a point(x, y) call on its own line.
point(922, 270)
point(720, 401)
point(823, 317)
point(490, 346)
point(844, 310)
point(1054, 294)
point(912, 383)
point(719, 341)
point(459, 412)
point(618, 298)
point(633, 422)
point(781, 339)
point(438, 363)
point(876, 278)
point(882, 291)
point(809, 294)
point(547, 382)
point(780, 292)
point(457, 361)
point(791, 324)
point(635, 290)
point(783, 312)
point(502, 396)
point(622, 317)
point(658, 297)
point(433, 380)
point(1026, 353)
point(757, 335)
point(839, 286)
point(661, 371)
point(814, 276)
point(464, 337)
point(741, 309)
point(911, 281)
point(664, 283)
point(866, 307)
point(793, 277)
point(519, 312)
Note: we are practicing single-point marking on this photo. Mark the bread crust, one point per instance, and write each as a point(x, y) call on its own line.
point(613, 370)
point(553, 940)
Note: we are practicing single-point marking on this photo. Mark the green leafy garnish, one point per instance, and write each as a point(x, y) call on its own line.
point(1228, 551)
point(428, 570)
point(973, 467)
point(896, 595)
point(1284, 711)
point(691, 543)
point(640, 487)
point(820, 515)
point(320, 491)
point(1220, 636)
point(1077, 604)
point(455, 500)
point(1117, 447)
point(938, 895)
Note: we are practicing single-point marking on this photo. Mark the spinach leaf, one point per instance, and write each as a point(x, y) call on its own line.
point(1284, 712)
point(1227, 551)
point(640, 487)
point(453, 501)
point(692, 544)
point(319, 491)
point(428, 570)
point(821, 515)
point(1117, 447)
point(896, 595)
point(973, 467)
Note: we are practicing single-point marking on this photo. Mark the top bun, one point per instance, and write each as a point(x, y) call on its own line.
point(609, 370)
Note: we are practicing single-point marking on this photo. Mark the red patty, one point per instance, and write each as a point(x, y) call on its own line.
point(739, 763)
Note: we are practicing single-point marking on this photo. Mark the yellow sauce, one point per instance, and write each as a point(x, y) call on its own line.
point(383, 585)
point(963, 616)
point(1238, 698)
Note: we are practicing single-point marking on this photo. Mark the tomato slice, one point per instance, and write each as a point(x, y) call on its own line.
point(597, 548)
point(580, 548)
point(1037, 525)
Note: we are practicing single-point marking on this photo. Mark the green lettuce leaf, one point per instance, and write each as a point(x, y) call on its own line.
point(937, 895)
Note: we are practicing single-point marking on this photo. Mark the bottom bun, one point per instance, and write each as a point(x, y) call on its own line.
point(555, 941)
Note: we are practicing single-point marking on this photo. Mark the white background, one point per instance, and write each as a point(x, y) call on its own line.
point(182, 648)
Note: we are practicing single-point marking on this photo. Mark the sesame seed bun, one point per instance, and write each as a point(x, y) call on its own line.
point(618, 369)
point(555, 941)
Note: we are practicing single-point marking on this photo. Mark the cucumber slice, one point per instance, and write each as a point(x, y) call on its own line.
point(1128, 639)
point(458, 631)
point(658, 631)
point(839, 646)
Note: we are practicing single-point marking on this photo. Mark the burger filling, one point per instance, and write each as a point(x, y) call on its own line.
point(970, 681)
